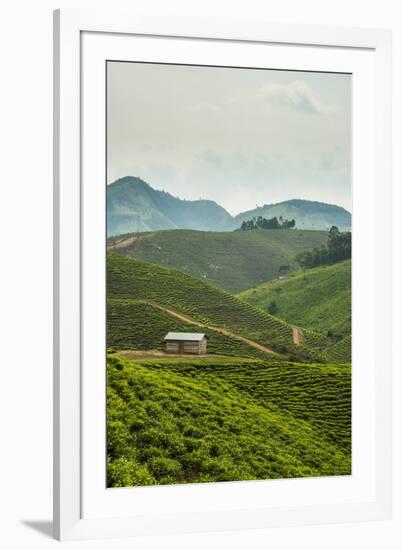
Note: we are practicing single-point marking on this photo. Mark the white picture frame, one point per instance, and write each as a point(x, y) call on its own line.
point(83, 507)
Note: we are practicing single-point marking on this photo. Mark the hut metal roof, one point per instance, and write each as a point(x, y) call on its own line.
point(185, 336)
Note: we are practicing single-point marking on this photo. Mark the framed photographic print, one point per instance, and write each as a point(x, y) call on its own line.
point(222, 275)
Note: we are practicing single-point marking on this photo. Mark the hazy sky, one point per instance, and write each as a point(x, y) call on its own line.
point(241, 137)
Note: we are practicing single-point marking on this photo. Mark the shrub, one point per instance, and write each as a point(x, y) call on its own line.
point(124, 472)
point(164, 467)
point(272, 308)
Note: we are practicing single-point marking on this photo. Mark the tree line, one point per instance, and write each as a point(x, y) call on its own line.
point(264, 223)
point(338, 248)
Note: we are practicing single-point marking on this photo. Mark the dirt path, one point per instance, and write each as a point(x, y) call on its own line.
point(298, 336)
point(122, 243)
point(224, 331)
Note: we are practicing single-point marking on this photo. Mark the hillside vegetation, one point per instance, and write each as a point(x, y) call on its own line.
point(234, 261)
point(341, 351)
point(130, 280)
point(318, 298)
point(338, 249)
point(182, 422)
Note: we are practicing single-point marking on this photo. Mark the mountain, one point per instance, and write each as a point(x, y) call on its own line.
point(234, 260)
point(308, 214)
point(134, 206)
point(318, 298)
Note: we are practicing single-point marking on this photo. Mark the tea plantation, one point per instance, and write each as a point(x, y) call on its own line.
point(183, 422)
point(129, 279)
point(318, 298)
point(341, 351)
point(237, 413)
point(320, 394)
point(234, 260)
point(141, 326)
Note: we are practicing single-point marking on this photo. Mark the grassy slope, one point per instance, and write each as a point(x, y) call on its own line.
point(319, 298)
point(183, 423)
point(131, 280)
point(234, 261)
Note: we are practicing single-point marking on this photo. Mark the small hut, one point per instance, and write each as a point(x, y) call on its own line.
point(186, 342)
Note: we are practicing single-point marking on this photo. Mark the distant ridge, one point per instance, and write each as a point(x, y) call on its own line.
point(308, 214)
point(134, 206)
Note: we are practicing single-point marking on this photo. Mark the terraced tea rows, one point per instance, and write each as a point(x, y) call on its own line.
point(341, 351)
point(234, 260)
point(131, 279)
point(167, 425)
point(142, 326)
point(319, 394)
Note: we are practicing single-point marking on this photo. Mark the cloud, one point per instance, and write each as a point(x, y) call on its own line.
point(296, 95)
point(203, 107)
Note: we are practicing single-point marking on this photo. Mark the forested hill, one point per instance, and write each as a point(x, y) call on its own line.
point(134, 206)
point(308, 214)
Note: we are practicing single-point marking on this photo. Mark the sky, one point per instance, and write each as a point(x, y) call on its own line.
point(240, 137)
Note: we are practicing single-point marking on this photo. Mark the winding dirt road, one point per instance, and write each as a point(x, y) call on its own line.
point(224, 331)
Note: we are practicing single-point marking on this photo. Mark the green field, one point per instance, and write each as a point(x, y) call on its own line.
point(318, 298)
point(188, 422)
point(234, 261)
point(132, 280)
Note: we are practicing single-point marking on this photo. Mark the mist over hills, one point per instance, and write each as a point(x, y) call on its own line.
point(134, 206)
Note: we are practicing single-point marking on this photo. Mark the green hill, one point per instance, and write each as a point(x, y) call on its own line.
point(183, 423)
point(134, 206)
point(318, 298)
point(132, 280)
point(234, 261)
point(308, 214)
